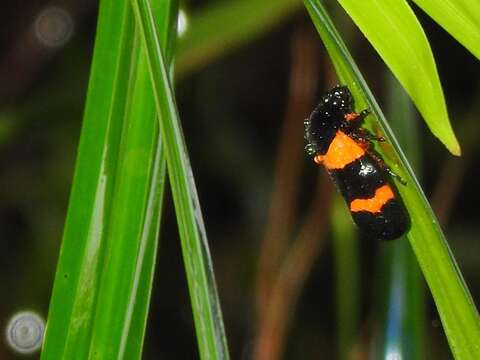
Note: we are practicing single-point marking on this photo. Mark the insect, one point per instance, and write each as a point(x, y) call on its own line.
point(336, 139)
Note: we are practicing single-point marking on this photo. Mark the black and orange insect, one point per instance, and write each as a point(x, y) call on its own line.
point(336, 139)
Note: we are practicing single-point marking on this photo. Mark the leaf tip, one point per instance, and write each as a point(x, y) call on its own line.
point(455, 148)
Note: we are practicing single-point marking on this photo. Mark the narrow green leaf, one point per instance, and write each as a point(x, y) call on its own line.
point(198, 265)
point(166, 14)
point(459, 17)
point(136, 320)
point(220, 27)
point(124, 294)
point(123, 252)
point(80, 261)
point(454, 303)
point(105, 275)
point(394, 31)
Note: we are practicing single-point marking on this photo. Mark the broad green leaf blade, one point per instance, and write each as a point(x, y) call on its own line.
point(454, 303)
point(394, 31)
point(198, 266)
point(461, 18)
point(239, 21)
point(80, 261)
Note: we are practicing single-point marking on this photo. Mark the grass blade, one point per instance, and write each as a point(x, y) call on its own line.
point(452, 298)
point(77, 277)
point(105, 275)
point(394, 31)
point(166, 14)
point(80, 263)
point(198, 265)
point(127, 278)
point(459, 18)
point(124, 254)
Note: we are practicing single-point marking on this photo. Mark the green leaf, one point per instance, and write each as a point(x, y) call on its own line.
point(394, 31)
point(198, 265)
point(124, 251)
point(459, 17)
point(452, 298)
point(166, 14)
point(104, 277)
point(80, 262)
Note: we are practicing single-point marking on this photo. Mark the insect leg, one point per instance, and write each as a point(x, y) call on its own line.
point(355, 119)
point(363, 136)
point(369, 136)
point(363, 114)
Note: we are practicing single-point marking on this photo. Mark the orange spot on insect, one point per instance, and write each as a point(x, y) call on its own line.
point(375, 204)
point(342, 151)
point(351, 116)
point(318, 159)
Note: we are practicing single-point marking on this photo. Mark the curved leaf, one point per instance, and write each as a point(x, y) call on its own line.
point(394, 31)
point(461, 18)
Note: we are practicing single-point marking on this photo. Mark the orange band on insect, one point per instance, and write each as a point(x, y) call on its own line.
point(342, 151)
point(374, 205)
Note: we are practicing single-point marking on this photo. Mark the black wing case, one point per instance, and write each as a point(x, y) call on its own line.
point(359, 180)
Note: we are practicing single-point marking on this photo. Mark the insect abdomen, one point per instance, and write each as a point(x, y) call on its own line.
point(372, 202)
